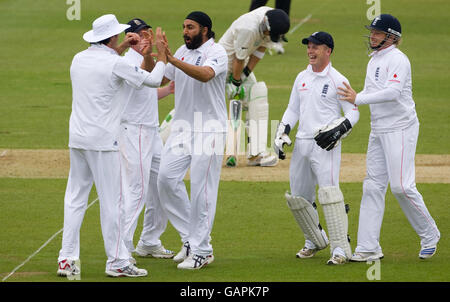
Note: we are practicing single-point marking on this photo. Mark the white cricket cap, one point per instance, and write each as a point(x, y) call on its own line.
point(103, 28)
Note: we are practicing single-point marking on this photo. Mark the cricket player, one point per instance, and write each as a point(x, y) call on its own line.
point(392, 142)
point(285, 5)
point(140, 150)
point(316, 157)
point(245, 42)
point(196, 140)
point(98, 74)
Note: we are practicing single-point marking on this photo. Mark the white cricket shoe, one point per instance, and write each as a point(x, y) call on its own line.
point(194, 261)
point(68, 268)
point(366, 256)
point(127, 271)
point(427, 252)
point(155, 252)
point(306, 253)
point(337, 260)
point(264, 159)
point(183, 253)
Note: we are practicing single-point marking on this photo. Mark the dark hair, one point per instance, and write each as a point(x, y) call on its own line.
point(106, 41)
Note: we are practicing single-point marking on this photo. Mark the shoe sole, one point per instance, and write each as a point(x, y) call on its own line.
point(272, 163)
point(330, 262)
point(367, 259)
point(118, 275)
point(65, 274)
point(427, 256)
point(196, 268)
point(158, 256)
point(304, 257)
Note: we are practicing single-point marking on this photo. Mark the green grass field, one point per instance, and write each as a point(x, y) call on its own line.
point(255, 237)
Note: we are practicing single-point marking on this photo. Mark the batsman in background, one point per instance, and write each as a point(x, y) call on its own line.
point(245, 42)
point(392, 142)
point(316, 157)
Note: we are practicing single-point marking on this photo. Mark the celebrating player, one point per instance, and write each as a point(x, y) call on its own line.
point(317, 153)
point(392, 142)
point(140, 150)
point(196, 140)
point(98, 74)
point(245, 42)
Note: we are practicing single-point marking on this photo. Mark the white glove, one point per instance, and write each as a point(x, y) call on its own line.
point(281, 139)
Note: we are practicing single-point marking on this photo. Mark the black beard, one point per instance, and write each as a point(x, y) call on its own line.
point(195, 42)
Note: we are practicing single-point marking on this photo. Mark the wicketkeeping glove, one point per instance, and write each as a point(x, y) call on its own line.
point(282, 139)
point(234, 89)
point(329, 136)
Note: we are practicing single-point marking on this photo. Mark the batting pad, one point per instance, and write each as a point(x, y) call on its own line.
point(258, 119)
point(307, 218)
point(164, 129)
point(332, 202)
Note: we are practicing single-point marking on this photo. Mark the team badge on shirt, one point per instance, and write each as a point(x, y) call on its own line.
point(324, 90)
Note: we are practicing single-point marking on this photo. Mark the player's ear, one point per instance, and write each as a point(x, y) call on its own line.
point(205, 31)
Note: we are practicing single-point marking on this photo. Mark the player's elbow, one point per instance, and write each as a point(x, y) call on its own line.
point(206, 76)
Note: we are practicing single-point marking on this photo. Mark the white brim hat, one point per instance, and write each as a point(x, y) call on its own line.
point(103, 28)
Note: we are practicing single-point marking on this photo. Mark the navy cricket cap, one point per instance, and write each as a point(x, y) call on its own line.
point(278, 23)
point(136, 25)
point(319, 38)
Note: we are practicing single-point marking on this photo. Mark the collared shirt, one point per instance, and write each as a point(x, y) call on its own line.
point(98, 74)
point(244, 36)
point(388, 91)
point(314, 101)
point(142, 105)
point(200, 105)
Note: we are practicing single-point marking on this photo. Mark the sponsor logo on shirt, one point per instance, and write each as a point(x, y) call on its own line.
point(324, 90)
point(303, 87)
point(377, 73)
point(394, 78)
point(198, 60)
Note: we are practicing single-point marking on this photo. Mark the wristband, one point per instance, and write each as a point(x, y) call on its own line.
point(247, 71)
point(258, 54)
point(235, 82)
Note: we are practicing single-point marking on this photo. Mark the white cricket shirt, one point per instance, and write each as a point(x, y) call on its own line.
point(98, 74)
point(244, 36)
point(142, 103)
point(388, 91)
point(206, 101)
point(314, 101)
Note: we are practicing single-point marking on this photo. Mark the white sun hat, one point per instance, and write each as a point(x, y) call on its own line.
point(103, 28)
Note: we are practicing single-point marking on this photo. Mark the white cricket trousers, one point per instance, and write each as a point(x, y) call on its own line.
point(310, 166)
point(390, 159)
point(203, 154)
point(86, 168)
point(140, 150)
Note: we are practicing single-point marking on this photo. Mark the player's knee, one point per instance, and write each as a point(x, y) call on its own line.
point(371, 185)
point(402, 189)
point(164, 180)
